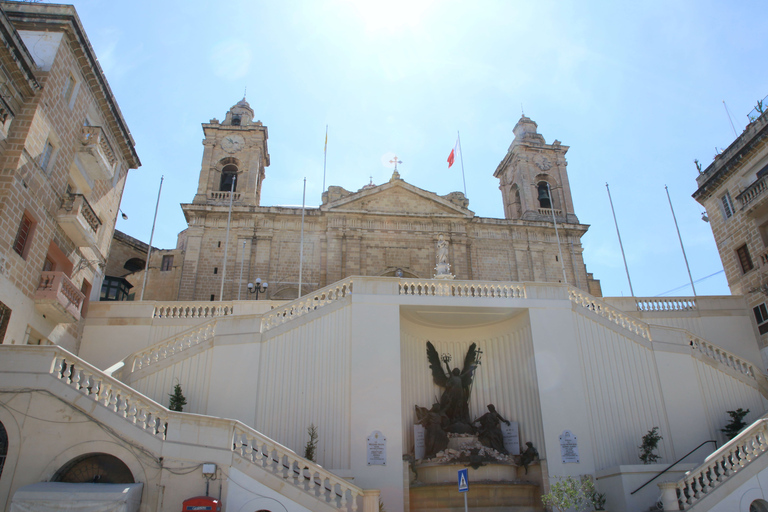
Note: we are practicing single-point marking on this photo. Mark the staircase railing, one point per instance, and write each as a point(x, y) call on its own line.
point(306, 304)
point(149, 416)
point(610, 313)
point(722, 356)
point(678, 461)
point(451, 288)
point(724, 463)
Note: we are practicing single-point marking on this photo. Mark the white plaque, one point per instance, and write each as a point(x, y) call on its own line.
point(418, 441)
point(377, 449)
point(511, 435)
point(569, 449)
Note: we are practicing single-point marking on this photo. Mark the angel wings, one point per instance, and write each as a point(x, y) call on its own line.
point(457, 385)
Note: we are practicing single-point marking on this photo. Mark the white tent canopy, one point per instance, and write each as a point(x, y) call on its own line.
point(58, 496)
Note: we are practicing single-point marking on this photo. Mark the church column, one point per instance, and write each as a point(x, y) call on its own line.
point(352, 253)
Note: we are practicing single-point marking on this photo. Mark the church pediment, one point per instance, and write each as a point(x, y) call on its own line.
point(399, 198)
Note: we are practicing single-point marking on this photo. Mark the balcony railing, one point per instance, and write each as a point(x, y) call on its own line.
point(58, 298)
point(78, 220)
point(96, 154)
point(753, 192)
point(216, 195)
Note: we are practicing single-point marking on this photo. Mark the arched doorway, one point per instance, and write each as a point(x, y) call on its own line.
point(99, 468)
point(3, 446)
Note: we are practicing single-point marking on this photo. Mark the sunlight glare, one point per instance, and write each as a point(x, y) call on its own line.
point(391, 16)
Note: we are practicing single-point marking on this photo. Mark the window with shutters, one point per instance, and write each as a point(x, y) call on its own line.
point(744, 258)
point(727, 204)
point(24, 236)
point(761, 316)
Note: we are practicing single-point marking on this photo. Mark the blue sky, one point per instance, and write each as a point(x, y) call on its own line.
point(636, 91)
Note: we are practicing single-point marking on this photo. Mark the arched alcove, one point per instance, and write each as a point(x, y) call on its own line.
point(3, 447)
point(758, 506)
point(228, 176)
point(101, 468)
point(134, 264)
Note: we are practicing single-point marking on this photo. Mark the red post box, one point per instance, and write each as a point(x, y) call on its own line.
point(202, 503)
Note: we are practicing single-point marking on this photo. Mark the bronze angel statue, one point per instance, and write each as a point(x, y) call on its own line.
point(457, 384)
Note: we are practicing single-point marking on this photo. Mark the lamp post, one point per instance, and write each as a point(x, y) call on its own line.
point(258, 287)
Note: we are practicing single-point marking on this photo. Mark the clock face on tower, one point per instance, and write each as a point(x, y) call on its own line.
point(232, 143)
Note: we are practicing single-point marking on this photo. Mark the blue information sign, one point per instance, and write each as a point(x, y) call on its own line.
point(463, 480)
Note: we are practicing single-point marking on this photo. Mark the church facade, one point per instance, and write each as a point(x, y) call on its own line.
point(379, 230)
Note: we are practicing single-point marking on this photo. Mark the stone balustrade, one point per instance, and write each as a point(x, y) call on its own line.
point(306, 304)
point(295, 470)
point(731, 458)
point(174, 345)
point(610, 313)
point(221, 195)
point(722, 356)
point(168, 426)
point(655, 304)
point(752, 192)
point(451, 288)
point(550, 211)
point(136, 408)
point(192, 309)
point(58, 297)
point(96, 153)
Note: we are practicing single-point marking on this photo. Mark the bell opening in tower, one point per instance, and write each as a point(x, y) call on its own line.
point(544, 199)
point(227, 177)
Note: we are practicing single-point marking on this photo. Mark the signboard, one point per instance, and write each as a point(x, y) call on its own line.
point(377, 449)
point(463, 480)
point(511, 434)
point(418, 441)
point(569, 449)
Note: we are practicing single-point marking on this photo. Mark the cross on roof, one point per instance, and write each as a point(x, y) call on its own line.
point(395, 161)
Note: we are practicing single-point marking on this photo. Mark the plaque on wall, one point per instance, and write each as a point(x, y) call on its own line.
point(377, 449)
point(569, 449)
point(418, 442)
point(511, 434)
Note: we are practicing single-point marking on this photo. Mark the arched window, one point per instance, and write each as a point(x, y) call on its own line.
point(3, 447)
point(97, 468)
point(228, 175)
point(545, 201)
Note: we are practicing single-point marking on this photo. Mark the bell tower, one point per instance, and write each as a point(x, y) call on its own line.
point(533, 177)
point(234, 150)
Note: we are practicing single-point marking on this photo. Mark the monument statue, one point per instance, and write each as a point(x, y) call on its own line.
point(489, 432)
point(457, 384)
point(528, 456)
point(443, 268)
point(433, 420)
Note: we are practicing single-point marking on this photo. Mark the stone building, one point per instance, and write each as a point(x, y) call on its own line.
point(376, 231)
point(65, 151)
point(733, 190)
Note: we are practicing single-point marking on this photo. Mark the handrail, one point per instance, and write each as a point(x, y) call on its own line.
point(306, 303)
point(674, 463)
point(144, 413)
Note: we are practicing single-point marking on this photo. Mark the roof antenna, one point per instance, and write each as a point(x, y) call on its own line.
point(245, 92)
point(729, 119)
point(521, 110)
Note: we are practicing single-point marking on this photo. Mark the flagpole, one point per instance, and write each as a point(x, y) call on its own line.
point(557, 236)
point(461, 157)
point(681, 241)
point(619, 235)
point(226, 239)
point(151, 236)
point(301, 244)
point(242, 264)
point(325, 155)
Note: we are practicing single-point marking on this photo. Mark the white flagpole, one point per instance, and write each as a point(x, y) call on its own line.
point(301, 244)
point(151, 236)
point(461, 157)
point(242, 264)
point(325, 154)
point(681, 241)
point(620, 244)
point(226, 239)
point(557, 236)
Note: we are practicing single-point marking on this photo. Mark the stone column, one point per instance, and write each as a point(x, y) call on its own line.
point(669, 496)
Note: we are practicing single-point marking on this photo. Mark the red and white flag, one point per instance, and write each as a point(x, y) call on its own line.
point(452, 156)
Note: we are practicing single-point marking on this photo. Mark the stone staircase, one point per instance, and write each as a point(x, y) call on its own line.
point(54, 370)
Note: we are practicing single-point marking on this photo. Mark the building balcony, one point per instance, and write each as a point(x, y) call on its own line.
point(754, 198)
point(79, 221)
point(95, 154)
point(58, 298)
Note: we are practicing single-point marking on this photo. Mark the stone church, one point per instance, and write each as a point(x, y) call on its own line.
point(379, 230)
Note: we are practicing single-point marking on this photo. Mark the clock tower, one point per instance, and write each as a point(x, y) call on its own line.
point(235, 150)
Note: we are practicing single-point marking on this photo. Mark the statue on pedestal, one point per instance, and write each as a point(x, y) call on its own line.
point(457, 384)
point(433, 420)
point(489, 432)
point(443, 268)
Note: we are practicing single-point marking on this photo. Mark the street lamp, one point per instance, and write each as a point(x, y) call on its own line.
point(258, 287)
